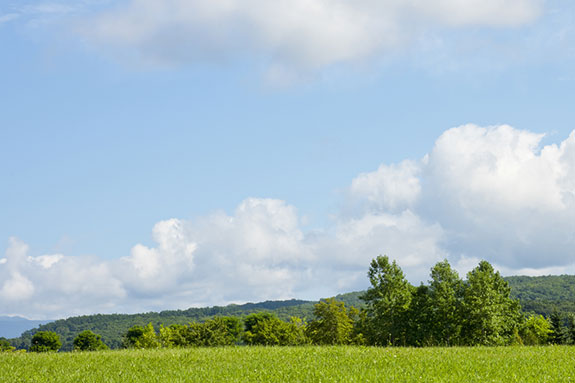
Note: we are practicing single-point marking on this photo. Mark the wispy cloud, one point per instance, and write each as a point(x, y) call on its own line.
point(294, 36)
point(49, 12)
point(48, 8)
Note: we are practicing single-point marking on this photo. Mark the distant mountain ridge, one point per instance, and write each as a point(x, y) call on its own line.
point(13, 326)
point(540, 295)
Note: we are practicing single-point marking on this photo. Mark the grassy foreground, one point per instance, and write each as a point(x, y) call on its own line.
point(296, 364)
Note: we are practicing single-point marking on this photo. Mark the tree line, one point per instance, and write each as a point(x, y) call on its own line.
point(448, 311)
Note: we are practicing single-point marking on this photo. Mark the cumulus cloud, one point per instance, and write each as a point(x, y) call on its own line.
point(390, 188)
point(503, 196)
point(292, 35)
point(259, 252)
point(158, 268)
point(50, 286)
point(490, 193)
point(495, 191)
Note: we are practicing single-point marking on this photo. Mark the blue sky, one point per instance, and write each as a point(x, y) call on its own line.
point(173, 154)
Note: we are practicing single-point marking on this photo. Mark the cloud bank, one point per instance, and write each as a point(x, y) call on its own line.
point(490, 193)
point(297, 35)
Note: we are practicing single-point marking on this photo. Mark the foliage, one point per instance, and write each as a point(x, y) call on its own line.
point(545, 294)
point(535, 330)
point(88, 341)
point(133, 336)
point(142, 337)
point(45, 341)
point(333, 324)
point(113, 327)
point(491, 316)
point(558, 333)
point(295, 364)
point(419, 318)
point(220, 331)
point(268, 330)
point(571, 328)
point(431, 317)
point(5, 345)
point(175, 335)
point(387, 302)
point(446, 291)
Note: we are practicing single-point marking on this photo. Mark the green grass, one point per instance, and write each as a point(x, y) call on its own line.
point(297, 364)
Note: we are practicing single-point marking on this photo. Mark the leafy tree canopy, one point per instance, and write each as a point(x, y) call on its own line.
point(387, 302)
point(491, 316)
point(88, 341)
point(45, 341)
point(333, 323)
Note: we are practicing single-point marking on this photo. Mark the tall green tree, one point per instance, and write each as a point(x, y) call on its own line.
point(419, 318)
point(491, 316)
point(558, 333)
point(445, 300)
point(332, 323)
point(45, 341)
point(571, 328)
point(88, 341)
point(387, 302)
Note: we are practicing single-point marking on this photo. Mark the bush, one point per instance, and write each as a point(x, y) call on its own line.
point(88, 341)
point(45, 341)
point(5, 345)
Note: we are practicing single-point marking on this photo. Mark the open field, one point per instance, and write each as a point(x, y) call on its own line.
point(297, 364)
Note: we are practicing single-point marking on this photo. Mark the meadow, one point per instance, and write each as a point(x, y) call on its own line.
point(296, 364)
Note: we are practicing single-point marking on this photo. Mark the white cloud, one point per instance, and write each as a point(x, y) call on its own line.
point(490, 193)
point(496, 193)
point(390, 188)
point(501, 196)
point(293, 35)
point(46, 261)
point(162, 265)
point(17, 288)
point(260, 252)
point(480, 12)
point(50, 286)
point(498, 166)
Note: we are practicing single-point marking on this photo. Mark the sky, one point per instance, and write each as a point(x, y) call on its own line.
point(182, 153)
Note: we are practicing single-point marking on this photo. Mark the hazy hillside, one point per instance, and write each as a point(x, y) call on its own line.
point(537, 294)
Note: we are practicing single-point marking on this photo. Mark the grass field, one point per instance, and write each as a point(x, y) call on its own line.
point(297, 364)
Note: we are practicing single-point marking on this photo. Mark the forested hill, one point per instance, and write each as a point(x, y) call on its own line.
point(539, 295)
point(113, 326)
